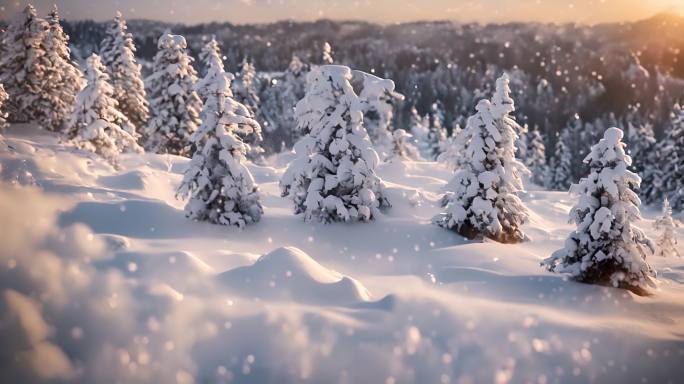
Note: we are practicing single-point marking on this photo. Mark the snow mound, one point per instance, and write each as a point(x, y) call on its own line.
point(289, 273)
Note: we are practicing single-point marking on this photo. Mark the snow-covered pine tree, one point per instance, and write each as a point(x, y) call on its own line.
point(327, 56)
point(3, 113)
point(377, 98)
point(333, 176)
point(174, 105)
point(436, 141)
point(521, 143)
point(96, 124)
point(566, 166)
point(210, 56)
point(292, 90)
point(118, 56)
point(24, 65)
point(666, 244)
point(245, 87)
point(221, 188)
point(606, 248)
point(419, 127)
point(482, 196)
point(671, 180)
point(245, 92)
point(454, 153)
point(402, 147)
point(644, 153)
point(536, 156)
point(63, 78)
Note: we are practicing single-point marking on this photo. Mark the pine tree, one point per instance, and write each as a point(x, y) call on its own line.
point(377, 100)
point(294, 89)
point(482, 200)
point(666, 244)
point(96, 124)
point(174, 105)
point(521, 144)
point(65, 78)
point(210, 56)
point(245, 92)
point(566, 166)
point(118, 56)
point(671, 181)
point(644, 153)
point(436, 140)
point(402, 147)
point(327, 56)
point(3, 113)
point(536, 156)
point(277, 111)
point(221, 188)
point(606, 248)
point(24, 67)
point(333, 177)
point(245, 87)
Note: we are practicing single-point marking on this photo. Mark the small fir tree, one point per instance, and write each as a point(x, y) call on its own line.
point(536, 156)
point(118, 56)
point(175, 106)
point(96, 124)
point(606, 248)
point(210, 57)
point(482, 197)
point(3, 113)
point(671, 181)
point(436, 140)
point(402, 147)
point(377, 100)
point(327, 56)
point(333, 176)
point(666, 244)
point(221, 188)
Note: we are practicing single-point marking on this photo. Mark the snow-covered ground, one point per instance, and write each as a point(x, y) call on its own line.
point(103, 279)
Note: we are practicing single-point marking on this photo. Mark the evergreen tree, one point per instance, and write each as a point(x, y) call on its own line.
point(3, 113)
point(377, 100)
point(666, 244)
point(245, 92)
point(96, 124)
point(402, 147)
point(606, 248)
point(174, 105)
point(64, 79)
point(245, 87)
point(671, 181)
point(24, 68)
point(644, 153)
point(436, 140)
point(210, 56)
point(536, 156)
point(419, 127)
point(482, 199)
point(221, 188)
point(327, 56)
point(566, 166)
point(277, 111)
point(118, 56)
point(333, 176)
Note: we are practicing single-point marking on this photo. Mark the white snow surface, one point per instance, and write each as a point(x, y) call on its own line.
point(103, 279)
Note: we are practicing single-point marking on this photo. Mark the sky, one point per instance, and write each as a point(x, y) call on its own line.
point(382, 11)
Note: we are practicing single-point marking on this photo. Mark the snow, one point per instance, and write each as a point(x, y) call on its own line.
point(103, 279)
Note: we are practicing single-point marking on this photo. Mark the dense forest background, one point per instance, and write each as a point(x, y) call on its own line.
point(609, 74)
